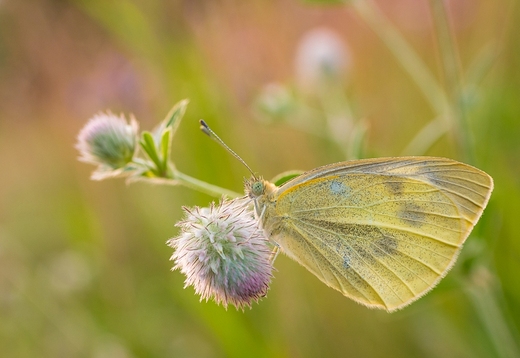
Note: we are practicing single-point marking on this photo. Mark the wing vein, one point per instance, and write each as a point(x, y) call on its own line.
point(368, 205)
point(417, 221)
point(454, 177)
point(317, 251)
point(357, 253)
point(463, 187)
point(395, 274)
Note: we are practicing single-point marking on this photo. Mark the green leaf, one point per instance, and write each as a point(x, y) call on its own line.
point(172, 119)
point(165, 146)
point(163, 133)
point(285, 177)
point(175, 115)
point(148, 144)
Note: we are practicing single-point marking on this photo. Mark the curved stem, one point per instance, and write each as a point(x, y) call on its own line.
point(426, 137)
point(406, 56)
point(453, 75)
point(486, 303)
point(199, 185)
point(171, 176)
point(484, 297)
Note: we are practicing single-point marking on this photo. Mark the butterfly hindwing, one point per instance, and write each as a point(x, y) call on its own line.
point(381, 231)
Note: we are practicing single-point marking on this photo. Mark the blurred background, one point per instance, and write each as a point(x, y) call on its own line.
point(84, 268)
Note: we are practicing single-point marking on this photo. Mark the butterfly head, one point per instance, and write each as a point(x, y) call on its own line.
point(257, 187)
point(262, 193)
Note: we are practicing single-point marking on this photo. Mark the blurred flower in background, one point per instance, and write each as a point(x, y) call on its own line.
point(318, 103)
point(275, 100)
point(321, 57)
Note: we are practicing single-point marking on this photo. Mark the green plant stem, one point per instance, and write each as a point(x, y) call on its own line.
point(171, 176)
point(453, 76)
point(338, 115)
point(484, 297)
point(199, 185)
point(426, 137)
point(406, 56)
point(486, 305)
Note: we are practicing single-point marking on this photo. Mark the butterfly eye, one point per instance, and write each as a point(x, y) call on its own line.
point(258, 188)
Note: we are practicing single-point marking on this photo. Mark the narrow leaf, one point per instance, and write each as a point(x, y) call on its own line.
point(148, 144)
point(285, 177)
point(172, 119)
point(165, 146)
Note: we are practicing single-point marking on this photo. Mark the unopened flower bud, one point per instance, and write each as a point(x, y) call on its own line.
point(108, 140)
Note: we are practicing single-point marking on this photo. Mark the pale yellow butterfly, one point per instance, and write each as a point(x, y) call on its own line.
point(381, 231)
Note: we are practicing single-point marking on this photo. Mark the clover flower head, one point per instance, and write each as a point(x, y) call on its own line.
point(223, 253)
point(108, 140)
point(321, 56)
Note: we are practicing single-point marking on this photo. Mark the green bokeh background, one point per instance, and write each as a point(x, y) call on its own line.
point(84, 269)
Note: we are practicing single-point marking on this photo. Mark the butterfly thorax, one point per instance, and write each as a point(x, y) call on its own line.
point(262, 192)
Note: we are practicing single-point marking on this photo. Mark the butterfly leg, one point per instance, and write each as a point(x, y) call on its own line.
point(274, 253)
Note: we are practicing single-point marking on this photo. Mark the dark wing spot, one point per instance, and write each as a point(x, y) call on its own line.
point(364, 253)
point(412, 214)
point(346, 261)
point(394, 187)
point(385, 246)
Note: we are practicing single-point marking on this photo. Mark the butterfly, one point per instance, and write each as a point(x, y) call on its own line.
point(383, 232)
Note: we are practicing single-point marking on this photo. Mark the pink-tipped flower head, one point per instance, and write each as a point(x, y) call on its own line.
point(108, 140)
point(321, 56)
point(223, 253)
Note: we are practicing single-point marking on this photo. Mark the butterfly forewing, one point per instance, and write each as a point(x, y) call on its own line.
point(381, 231)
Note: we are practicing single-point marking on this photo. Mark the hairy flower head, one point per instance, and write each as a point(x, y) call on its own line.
point(223, 253)
point(108, 140)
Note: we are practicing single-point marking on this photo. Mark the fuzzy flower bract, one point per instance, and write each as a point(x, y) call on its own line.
point(223, 253)
point(108, 140)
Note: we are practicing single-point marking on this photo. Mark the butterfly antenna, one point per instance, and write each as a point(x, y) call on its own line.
point(207, 130)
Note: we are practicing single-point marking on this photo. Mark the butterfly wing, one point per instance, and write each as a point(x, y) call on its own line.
point(381, 231)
